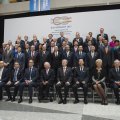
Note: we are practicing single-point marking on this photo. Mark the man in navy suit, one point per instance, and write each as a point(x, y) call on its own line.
point(4, 77)
point(16, 78)
point(47, 78)
point(67, 54)
point(35, 42)
point(114, 76)
point(30, 81)
point(64, 79)
point(81, 78)
point(44, 56)
point(80, 55)
point(20, 57)
point(32, 54)
point(104, 35)
point(61, 38)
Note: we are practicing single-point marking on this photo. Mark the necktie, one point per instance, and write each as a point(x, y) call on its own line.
point(64, 70)
point(30, 72)
point(15, 75)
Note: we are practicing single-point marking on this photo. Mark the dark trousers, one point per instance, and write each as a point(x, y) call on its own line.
point(16, 88)
point(44, 90)
point(85, 90)
point(30, 88)
point(116, 90)
point(2, 84)
point(66, 89)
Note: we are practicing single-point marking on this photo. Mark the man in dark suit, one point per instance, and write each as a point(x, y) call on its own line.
point(0, 57)
point(61, 38)
point(117, 53)
point(68, 43)
point(21, 42)
point(56, 61)
point(35, 42)
point(50, 38)
point(64, 78)
point(16, 78)
point(81, 78)
point(114, 76)
point(104, 35)
point(34, 55)
point(78, 39)
point(8, 57)
point(20, 57)
point(44, 56)
point(4, 77)
point(107, 56)
point(92, 56)
point(79, 55)
point(46, 81)
point(26, 52)
point(67, 54)
point(30, 81)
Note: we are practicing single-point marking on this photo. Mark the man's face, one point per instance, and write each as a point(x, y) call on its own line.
point(101, 30)
point(31, 63)
point(117, 64)
point(80, 48)
point(64, 63)
point(61, 34)
point(32, 48)
point(19, 49)
point(81, 62)
point(16, 65)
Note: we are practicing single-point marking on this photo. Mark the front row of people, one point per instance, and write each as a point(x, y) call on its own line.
point(66, 78)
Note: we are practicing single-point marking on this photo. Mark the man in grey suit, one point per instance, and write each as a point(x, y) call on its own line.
point(8, 57)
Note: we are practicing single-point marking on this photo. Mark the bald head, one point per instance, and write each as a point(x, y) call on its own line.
point(117, 63)
point(47, 65)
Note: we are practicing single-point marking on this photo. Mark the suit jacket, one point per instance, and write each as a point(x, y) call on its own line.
point(50, 77)
point(21, 59)
point(5, 75)
point(43, 58)
point(64, 78)
point(22, 45)
point(91, 61)
point(69, 58)
point(104, 36)
point(36, 45)
point(81, 75)
point(117, 54)
point(107, 58)
point(60, 40)
point(20, 75)
point(35, 57)
point(80, 41)
point(34, 74)
point(113, 75)
point(0, 57)
point(77, 56)
point(8, 58)
point(56, 60)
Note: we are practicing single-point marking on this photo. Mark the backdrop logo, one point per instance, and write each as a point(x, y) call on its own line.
point(61, 20)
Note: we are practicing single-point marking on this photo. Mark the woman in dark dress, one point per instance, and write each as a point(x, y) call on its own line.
point(98, 81)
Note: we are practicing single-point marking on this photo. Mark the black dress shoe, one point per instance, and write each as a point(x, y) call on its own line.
point(117, 102)
point(51, 100)
point(0, 98)
point(9, 99)
point(105, 102)
point(76, 101)
point(85, 101)
point(60, 101)
point(64, 101)
point(30, 100)
point(13, 99)
point(102, 103)
point(20, 100)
